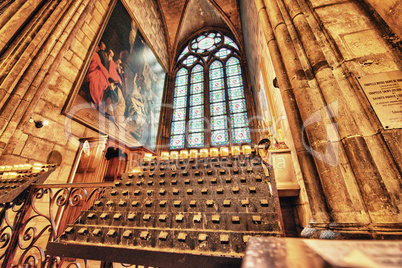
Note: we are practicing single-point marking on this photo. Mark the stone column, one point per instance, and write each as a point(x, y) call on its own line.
point(317, 202)
point(340, 191)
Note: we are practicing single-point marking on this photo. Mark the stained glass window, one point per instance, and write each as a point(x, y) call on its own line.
point(236, 93)
point(179, 102)
point(178, 129)
point(196, 123)
point(210, 62)
point(237, 103)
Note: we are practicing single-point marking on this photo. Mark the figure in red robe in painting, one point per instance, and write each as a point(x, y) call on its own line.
point(114, 99)
point(98, 79)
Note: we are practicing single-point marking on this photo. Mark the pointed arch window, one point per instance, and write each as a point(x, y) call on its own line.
point(209, 107)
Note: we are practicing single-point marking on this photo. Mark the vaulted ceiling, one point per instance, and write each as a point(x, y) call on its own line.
point(184, 17)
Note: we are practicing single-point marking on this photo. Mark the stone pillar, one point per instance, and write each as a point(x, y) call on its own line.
point(313, 110)
point(317, 202)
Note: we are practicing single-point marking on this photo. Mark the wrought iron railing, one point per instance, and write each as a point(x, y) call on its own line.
point(39, 215)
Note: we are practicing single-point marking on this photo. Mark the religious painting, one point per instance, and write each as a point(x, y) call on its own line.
point(121, 92)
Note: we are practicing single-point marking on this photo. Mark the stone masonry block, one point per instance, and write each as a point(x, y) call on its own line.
point(68, 154)
point(89, 30)
point(98, 17)
point(77, 61)
point(37, 149)
point(55, 96)
point(79, 49)
point(68, 70)
point(20, 144)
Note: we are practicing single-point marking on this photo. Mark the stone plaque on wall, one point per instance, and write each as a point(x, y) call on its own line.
point(384, 91)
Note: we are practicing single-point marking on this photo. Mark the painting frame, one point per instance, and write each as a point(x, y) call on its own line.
point(141, 94)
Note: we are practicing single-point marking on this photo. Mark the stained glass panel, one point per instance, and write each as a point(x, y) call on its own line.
point(182, 72)
point(220, 137)
point(219, 122)
point(179, 102)
point(179, 114)
point(216, 84)
point(232, 61)
point(230, 42)
point(196, 112)
point(237, 106)
point(217, 96)
point(196, 140)
point(236, 93)
point(197, 69)
point(233, 70)
point(239, 120)
point(185, 51)
point(181, 80)
point(215, 73)
point(197, 77)
point(206, 43)
point(196, 125)
point(189, 60)
point(196, 99)
point(240, 135)
point(215, 65)
point(177, 142)
point(235, 81)
point(222, 53)
point(180, 91)
point(178, 128)
point(218, 108)
point(197, 88)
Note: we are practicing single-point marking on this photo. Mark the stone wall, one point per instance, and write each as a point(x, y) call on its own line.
point(38, 83)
